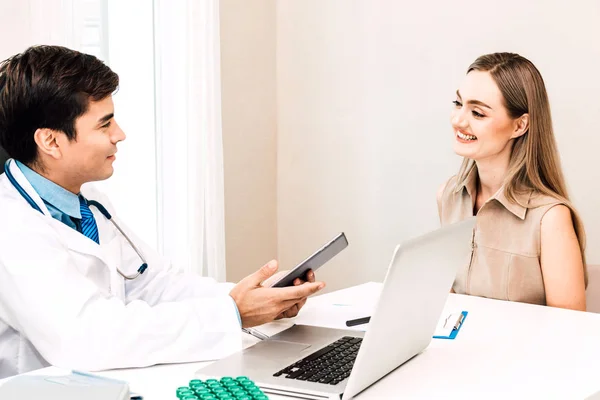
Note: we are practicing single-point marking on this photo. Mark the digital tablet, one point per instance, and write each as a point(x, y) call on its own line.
point(315, 261)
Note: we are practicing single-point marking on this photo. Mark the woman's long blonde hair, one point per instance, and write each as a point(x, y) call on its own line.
point(534, 162)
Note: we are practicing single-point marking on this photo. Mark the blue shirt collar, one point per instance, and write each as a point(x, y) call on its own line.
point(51, 193)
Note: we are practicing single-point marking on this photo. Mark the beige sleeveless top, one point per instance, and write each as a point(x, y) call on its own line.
point(505, 258)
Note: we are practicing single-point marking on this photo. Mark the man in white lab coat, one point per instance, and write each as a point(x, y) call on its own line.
point(70, 290)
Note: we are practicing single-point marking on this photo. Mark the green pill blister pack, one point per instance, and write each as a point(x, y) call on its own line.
point(226, 388)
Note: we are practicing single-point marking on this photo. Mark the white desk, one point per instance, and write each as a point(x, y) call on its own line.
point(504, 350)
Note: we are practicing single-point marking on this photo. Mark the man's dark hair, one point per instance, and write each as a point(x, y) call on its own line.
point(47, 87)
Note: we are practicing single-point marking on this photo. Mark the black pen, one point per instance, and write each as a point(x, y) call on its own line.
point(358, 321)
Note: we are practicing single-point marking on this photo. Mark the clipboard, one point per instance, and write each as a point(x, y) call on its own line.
point(455, 330)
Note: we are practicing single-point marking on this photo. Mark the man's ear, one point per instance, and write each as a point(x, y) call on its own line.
point(47, 144)
point(521, 126)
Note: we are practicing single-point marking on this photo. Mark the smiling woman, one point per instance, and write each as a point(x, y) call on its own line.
point(529, 241)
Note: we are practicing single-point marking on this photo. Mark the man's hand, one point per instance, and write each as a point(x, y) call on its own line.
point(295, 309)
point(258, 304)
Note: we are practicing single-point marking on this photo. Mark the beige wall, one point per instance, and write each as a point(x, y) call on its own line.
point(249, 133)
point(364, 98)
point(322, 136)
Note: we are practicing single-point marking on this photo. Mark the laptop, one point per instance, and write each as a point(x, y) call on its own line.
point(322, 363)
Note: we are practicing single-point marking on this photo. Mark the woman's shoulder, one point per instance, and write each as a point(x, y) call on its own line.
point(550, 208)
point(538, 199)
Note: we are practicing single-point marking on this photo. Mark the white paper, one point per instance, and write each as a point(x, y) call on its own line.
point(334, 315)
point(447, 323)
point(332, 310)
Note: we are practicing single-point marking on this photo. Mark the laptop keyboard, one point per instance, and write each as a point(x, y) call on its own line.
point(330, 365)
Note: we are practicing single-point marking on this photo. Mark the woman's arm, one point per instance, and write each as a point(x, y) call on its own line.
point(562, 265)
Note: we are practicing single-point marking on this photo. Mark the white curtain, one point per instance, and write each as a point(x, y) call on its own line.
point(65, 28)
point(80, 25)
point(189, 138)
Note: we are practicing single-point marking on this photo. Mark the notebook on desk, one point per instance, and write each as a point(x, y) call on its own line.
point(316, 363)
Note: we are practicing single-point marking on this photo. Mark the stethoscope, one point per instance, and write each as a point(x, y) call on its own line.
point(94, 203)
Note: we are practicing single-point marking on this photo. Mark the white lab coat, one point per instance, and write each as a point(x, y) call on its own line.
point(63, 303)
